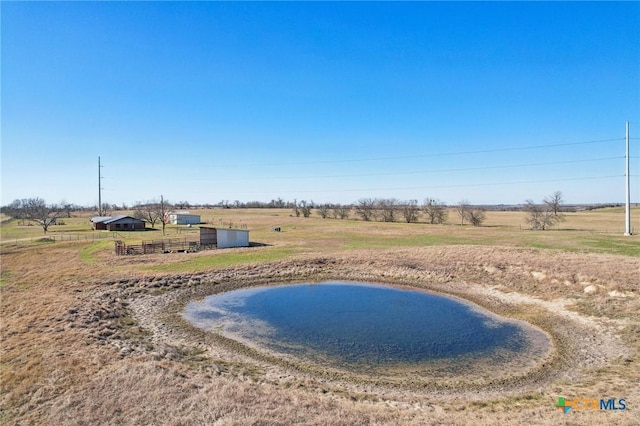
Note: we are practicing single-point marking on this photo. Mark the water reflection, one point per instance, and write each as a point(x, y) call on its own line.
point(357, 324)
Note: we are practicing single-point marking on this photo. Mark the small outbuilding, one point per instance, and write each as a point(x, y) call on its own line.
point(224, 237)
point(184, 218)
point(118, 223)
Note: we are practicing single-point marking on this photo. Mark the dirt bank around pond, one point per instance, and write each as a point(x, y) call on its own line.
point(88, 345)
point(514, 284)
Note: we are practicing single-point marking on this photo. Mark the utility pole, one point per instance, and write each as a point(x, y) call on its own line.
point(99, 189)
point(627, 211)
point(163, 219)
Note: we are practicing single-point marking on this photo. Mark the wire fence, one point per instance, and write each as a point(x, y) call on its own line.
point(56, 238)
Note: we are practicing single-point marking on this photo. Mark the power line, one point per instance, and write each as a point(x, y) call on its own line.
point(466, 169)
point(445, 154)
point(454, 186)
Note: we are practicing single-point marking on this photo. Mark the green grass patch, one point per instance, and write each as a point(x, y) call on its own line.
point(220, 259)
point(628, 246)
point(360, 241)
point(87, 254)
point(4, 277)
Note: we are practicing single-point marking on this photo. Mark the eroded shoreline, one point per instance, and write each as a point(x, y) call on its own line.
point(155, 302)
point(470, 367)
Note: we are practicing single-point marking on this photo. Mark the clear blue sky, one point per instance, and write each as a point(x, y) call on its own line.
point(330, 102)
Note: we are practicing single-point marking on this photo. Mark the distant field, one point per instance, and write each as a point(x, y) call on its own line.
point(596, 230)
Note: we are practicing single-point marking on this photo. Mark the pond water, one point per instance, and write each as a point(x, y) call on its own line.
point(358, 325)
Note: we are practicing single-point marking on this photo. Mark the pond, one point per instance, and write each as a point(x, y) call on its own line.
point(363, 326)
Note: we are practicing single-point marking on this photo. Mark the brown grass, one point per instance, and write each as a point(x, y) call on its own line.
point(86, 337)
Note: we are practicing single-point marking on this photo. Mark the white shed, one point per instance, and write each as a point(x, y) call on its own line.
point(184, 218)
point(224, 237)
point(228, 237)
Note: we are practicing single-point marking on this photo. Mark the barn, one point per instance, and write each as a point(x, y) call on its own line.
point(224, 237)
point(118, 223)
point(184, 218)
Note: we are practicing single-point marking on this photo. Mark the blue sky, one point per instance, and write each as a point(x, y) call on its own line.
point(325, 101)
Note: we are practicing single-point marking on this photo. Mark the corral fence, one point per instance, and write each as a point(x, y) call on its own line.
point(58, 238)
point(174, 245)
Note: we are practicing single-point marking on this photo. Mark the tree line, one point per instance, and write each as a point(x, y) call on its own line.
point(539, 216)
point(432, 210)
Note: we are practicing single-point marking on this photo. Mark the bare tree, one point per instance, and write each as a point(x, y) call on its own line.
point(388, 208)
point(305, 208)
point(536, 217)
point(540, 216)
point(365, 208)
point(67, 208)
point(340, 211)
point(475, 216)
point(410, 211)
point(554, 202)
point(436, 211)
point(334, 210)
point(462, 208)
point(37, 210)
point(323, 210)
point(146, 212)
point(162, 211)
point(277, 203)
point(104, 211)
point(154, 212)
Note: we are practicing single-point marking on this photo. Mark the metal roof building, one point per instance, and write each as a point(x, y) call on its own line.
point(184, 218)
point(118, 223)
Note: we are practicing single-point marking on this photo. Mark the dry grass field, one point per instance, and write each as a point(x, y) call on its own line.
point(88, 337)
